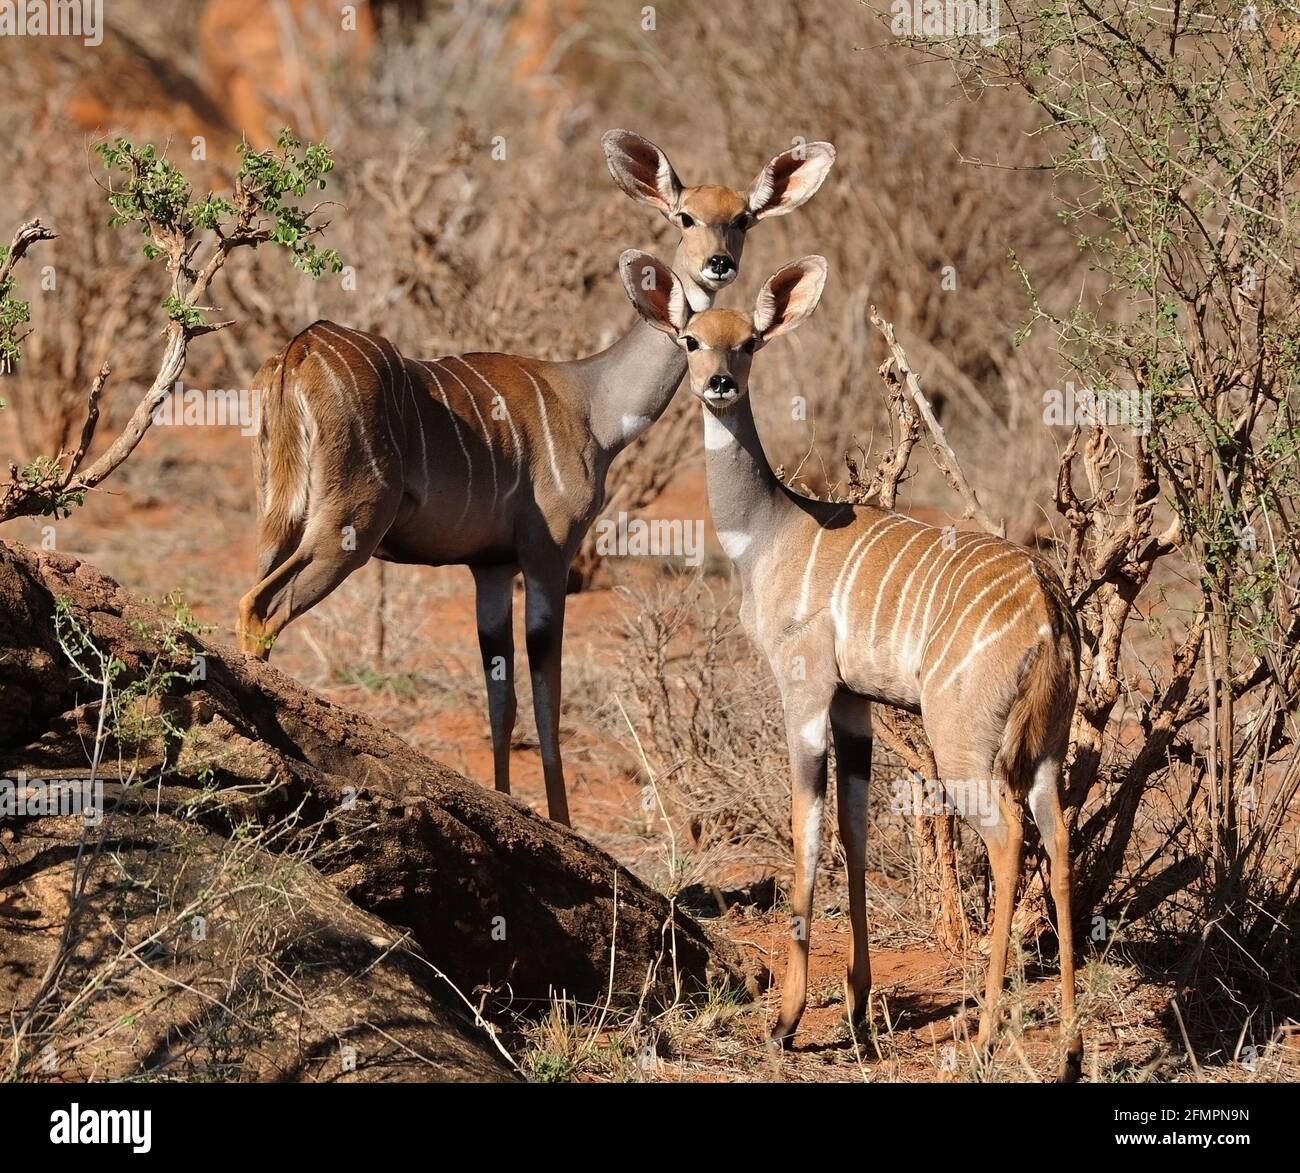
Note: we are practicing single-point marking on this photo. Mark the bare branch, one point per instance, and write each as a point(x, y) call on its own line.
point(92, 421)
point(942, 451)
point(26, 236)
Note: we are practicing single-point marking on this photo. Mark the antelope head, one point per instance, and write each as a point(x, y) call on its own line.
point(720, 344)
point(713, 220)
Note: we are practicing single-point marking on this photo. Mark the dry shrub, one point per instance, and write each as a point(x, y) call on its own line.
point(708, 717)
point(703, 719)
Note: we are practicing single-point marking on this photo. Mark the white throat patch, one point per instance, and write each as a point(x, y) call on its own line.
point(734, 543)
point(698, 299)
point(717, 434)
point(634, 425)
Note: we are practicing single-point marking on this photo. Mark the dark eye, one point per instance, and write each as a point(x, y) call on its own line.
point(741, 222)
point(687, 221)
point(692, 343)
point(748, 347)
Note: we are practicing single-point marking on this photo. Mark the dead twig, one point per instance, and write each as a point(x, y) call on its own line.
point(898, 368)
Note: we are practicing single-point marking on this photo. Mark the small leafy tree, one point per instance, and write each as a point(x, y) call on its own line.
point(193, 238)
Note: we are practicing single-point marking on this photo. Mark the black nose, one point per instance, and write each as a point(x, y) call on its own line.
point(720, 264)
point(722, 384)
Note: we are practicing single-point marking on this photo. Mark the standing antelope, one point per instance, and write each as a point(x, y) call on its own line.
point(487, 460)
point(854, 604)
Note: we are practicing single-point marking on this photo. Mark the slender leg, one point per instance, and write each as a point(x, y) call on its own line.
point(1005, 842)
point(293, 587)
point(495, 589)
point(1045, 804)
point(277, 542)
point(299, 571)
point(851, 729)
point(806, 735)
point(272, 556)
point(544, 629)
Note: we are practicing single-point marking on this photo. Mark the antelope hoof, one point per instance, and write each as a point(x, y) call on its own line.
point(856, 1006)
point(782, 1036)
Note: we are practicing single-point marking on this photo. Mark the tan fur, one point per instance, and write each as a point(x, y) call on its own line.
point(716, 229)
point(716, 205)
point(721, 329)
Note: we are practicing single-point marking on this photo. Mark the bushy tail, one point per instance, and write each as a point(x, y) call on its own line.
point(1038, 725)
point(283, 451)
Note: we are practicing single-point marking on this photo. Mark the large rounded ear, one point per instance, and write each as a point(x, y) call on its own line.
point(642, 170)
point(789, 296)
point(790, 179)
point(655, 290)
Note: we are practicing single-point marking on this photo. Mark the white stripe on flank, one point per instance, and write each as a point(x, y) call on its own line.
point(848, 561)
point(837, 584)
point(416, 423)
point(989, 612)
point(350, 337)
point(870, 642)
point(546, 430)
point(952, 586)
point(849, 572)
point(806, 585)
point(980, 644)
point(389, 354)
point(338, 391)
point(335, 385)
point(431, 367)
point(956, 627)
point(510, 421)
point(482, 423)
point(392, 379)
point(418, 426)
point(992, 610)
point(910, 662)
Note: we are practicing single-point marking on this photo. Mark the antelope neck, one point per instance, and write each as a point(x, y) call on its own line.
point(629, 385)
point(746, 500)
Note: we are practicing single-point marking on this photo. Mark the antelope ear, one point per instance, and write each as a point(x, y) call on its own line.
point(655, 290)
point(642, 170)
point(790, 179)
point(789, 296)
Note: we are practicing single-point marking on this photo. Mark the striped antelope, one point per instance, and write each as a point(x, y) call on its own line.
point(853, 604)
point(487, 460)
